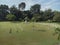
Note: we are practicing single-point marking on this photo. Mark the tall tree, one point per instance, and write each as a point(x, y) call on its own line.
point(22, 6)
point(35, 8)
point(16, 12)
point(35, 11)
point(3, 11)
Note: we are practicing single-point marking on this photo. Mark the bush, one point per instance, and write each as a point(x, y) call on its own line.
point(10, 17)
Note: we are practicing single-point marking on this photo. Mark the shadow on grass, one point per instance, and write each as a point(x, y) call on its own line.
point(42, 30)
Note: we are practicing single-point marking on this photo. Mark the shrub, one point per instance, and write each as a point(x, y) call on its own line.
point(10, 17)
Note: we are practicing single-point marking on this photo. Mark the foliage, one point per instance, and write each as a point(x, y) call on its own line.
point(22, 6)
point(10, 17)
point(48, 14)
point(35, 8)
point(57, 31)
point(56, 16)
point(36, 17)
point(3, 11)
point(34, 14)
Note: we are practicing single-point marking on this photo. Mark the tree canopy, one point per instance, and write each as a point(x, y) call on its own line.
point(35, 13)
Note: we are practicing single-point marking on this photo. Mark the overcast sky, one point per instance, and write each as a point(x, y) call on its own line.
point(45, 4)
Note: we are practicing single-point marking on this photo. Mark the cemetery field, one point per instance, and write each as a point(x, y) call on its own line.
point(31, 33)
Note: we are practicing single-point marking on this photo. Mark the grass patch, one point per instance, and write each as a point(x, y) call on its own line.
point(23, 34)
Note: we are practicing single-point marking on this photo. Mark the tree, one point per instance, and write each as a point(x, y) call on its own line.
point(13, 9)
point(16, 12)
point(4, 7)
point(3, 11)
point(22, 6)
point(35, 8)
point(10, 17)
point(56, 17)
point(35, 11)
point(48, 14)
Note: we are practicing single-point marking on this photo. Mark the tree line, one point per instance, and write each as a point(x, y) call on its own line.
point(35, 13)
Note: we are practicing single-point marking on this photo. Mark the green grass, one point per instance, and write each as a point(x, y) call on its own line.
point(26, 35)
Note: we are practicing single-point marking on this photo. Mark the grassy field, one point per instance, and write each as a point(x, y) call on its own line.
point(27, 33)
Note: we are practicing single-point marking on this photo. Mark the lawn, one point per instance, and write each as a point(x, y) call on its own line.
point(27, 33)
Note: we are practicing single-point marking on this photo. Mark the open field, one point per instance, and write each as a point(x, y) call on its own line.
point(27, 33)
